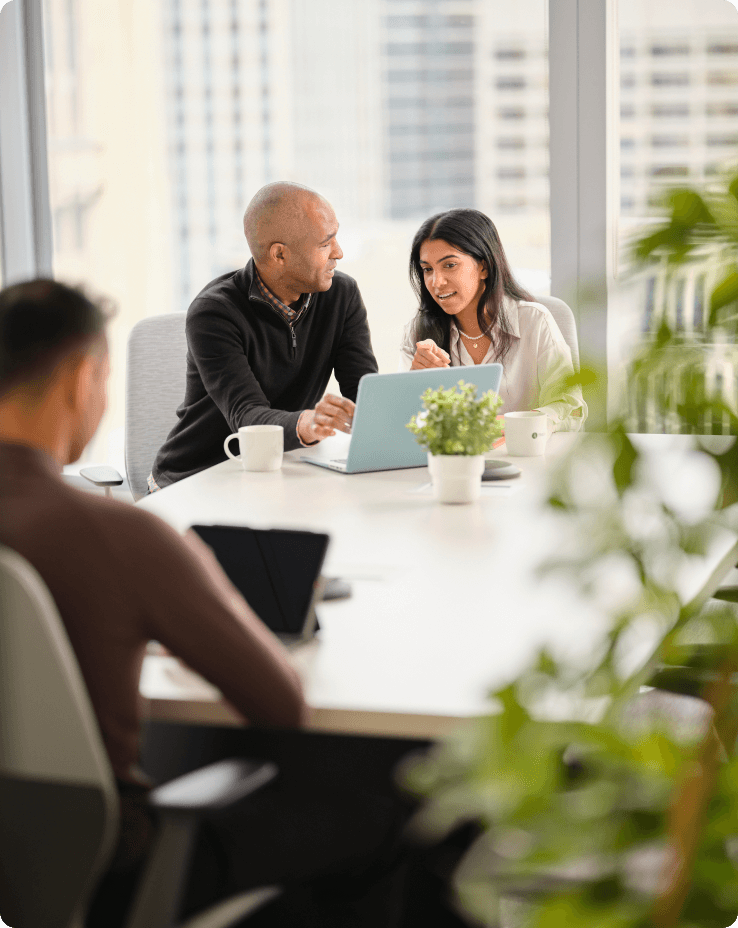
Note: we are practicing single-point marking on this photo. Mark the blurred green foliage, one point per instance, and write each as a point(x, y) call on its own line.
point(588, 788)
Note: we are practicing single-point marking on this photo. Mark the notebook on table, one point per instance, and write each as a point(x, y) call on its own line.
point(385, 404)
point(277, 571)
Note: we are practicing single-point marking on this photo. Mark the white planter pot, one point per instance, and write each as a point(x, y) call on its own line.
point(456, 478)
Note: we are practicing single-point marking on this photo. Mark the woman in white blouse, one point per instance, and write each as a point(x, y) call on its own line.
point(472, 311)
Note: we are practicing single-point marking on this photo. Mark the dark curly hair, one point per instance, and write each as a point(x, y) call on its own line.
point(474, 234)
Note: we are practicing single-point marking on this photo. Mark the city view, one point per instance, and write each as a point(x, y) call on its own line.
point(393, 109)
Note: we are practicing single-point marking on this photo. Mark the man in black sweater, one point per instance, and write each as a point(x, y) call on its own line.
point(264, 340)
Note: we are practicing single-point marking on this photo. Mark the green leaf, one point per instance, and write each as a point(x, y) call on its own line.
point(733, 188)
point(622, 469)
point(688, 209)
point(724, 294)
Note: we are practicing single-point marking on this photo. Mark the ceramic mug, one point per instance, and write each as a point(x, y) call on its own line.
point(261, 446)
point(526, 433)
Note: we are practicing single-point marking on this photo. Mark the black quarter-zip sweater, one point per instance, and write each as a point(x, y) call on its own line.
point(246, 365)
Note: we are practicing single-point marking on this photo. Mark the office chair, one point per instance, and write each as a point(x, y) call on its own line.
point(566, 322)
point(58, 800)
point(155, 387)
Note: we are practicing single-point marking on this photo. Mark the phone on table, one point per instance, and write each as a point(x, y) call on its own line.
point(499, 470)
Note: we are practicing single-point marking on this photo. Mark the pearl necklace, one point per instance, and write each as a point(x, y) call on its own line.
point(471, 338)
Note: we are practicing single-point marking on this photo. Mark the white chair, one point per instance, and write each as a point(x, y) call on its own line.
point(156, 372)
point(566, 322)
point(58, 800)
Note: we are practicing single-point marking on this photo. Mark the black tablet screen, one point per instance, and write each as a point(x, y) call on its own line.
point(274, 570)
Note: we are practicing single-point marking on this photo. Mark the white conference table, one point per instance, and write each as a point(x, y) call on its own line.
point(446, 604)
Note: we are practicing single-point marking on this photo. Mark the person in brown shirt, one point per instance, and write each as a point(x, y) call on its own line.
point(329, 828)
point(120, 576)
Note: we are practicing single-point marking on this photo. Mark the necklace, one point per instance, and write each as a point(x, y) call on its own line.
point(471, 338)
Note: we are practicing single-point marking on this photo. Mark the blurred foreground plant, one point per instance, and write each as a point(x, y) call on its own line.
point(602, 805)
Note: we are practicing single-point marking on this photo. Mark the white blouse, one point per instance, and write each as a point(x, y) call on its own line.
point(533, 368)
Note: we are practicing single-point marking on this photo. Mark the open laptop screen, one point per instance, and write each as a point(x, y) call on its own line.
point(275, 570)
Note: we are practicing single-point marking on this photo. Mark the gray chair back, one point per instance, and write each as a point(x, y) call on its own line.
point(155, 387)
point(59, 807)
point(566, 322)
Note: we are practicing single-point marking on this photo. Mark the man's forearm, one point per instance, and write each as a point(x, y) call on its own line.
point(264, 415)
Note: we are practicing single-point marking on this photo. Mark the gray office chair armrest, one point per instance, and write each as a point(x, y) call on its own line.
point(182, 804)
point(216, 786)
point(102, 476)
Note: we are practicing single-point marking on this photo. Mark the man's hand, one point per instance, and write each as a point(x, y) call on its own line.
point(331, 413)
point(428, 354)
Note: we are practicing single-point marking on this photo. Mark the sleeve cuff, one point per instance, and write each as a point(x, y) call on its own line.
point(297, 431)
point(564, 420)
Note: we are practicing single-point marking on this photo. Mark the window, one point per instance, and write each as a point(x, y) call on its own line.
point(670, 111)
point(512, 204)
point(392, 110)
point(661, 51)
point(670, 107)
point(511, 83)
point(515, 143)
point(723, 48)
point(670, 170)
point(670, 141)
point(722, 78)
point(670, 80)
point(511, 173)
point(509, 113)
point(725, 110)
point(429, 48)
point(720, 141)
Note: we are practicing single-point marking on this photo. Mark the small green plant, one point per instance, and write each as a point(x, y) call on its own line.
point(454, 421)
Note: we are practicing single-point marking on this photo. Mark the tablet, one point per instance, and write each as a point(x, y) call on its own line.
point(277, 572)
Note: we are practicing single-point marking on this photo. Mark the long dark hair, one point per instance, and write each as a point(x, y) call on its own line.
point(474, 234)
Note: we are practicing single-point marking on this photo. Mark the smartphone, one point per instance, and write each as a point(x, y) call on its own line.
point(499, 470)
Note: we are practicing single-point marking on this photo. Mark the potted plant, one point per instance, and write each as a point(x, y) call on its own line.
point(457, 428)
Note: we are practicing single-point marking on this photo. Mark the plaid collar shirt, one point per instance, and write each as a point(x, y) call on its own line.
point(289, 314)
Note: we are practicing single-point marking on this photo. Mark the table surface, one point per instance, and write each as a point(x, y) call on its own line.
point(446, 604)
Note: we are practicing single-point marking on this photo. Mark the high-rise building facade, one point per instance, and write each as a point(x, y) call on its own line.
point(429, 52)
point(678, 110)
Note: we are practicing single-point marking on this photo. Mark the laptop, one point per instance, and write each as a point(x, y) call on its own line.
point(277, 571)
point(385, 404)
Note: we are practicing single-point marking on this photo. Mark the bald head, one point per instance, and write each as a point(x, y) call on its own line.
point(291, 232)
point(280, 212)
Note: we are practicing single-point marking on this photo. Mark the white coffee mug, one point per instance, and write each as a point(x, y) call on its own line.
point(261, 446)
point(526, 433)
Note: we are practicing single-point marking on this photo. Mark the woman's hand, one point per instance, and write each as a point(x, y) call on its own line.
point(428, 354)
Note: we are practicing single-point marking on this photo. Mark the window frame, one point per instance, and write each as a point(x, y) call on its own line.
point(25, 213)
point(585, 170)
